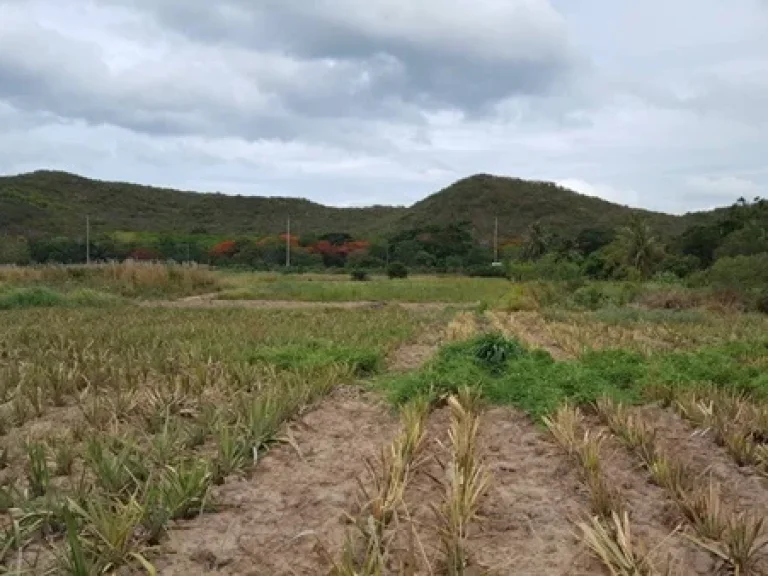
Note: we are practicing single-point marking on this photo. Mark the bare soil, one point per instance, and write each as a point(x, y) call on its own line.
point(415, 548)
point(653, 515)
point(527, 525)
point(741, 487)
point(410, 356)
point(291, 510)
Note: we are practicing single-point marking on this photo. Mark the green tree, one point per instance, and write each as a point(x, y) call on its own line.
point(537, 240)
point(701, 242)
point(639, 246)
point(14, 250)
point(591, 240)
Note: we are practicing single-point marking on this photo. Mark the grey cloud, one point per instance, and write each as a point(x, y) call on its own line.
point(441, 61)
point(388, 100)
point(278, 69)
point(195, 90)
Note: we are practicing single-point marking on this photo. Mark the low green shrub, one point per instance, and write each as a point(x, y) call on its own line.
point(493, 351)
point(487, 272)
point(590, 297)
point(547, 268)
point(739, 272)
point(318, 354)
point(360, 275)
point(35, 297)
point(397, 270)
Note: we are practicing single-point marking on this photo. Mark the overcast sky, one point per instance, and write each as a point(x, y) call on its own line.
point(654, 103)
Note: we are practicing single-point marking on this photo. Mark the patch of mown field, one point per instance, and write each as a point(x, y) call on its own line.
point(313, 288)
point(115, 424)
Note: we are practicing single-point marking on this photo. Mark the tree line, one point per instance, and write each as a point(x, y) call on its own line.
point(736, 236)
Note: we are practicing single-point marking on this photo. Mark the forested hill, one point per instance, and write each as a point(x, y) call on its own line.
point(55, 204)
point(47, 203)
point(519, 203)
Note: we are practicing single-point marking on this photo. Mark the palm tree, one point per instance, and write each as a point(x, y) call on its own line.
point(536, 242)
point(641, 249)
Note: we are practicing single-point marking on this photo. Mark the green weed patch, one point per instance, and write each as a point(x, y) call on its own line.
point(360, 361)
point(509, 373)
point(41, 297)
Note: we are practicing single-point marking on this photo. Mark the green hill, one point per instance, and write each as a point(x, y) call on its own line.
point(56, 203)
point(46, 203)
point(517, 203)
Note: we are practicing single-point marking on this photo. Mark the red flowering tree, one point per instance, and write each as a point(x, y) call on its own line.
point(294, 239)
point(225, 249)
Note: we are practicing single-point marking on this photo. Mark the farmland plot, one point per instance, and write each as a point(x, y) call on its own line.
point(258, 441)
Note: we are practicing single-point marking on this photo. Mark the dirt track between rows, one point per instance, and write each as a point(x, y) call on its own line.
point(208, 301)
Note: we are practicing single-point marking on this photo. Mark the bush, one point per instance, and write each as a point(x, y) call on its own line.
point(590, 297)
point(670, 299)
point(357, 260)
point(739, 272)
point(492, 351)
point(762, 303)
point(36, 297)
point(397, 270)
point(517, 300)
point(488, 272)
point(679, 266)
point(360, 275)
point(547, 268)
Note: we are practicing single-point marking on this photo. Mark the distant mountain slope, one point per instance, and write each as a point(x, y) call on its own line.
point(517, 203)
point(55, 203)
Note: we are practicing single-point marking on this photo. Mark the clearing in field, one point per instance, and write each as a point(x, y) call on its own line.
point(380, 439)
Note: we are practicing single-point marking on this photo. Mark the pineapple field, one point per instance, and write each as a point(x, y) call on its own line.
point(156, 422)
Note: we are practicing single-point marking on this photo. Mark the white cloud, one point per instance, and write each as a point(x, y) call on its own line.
point(599, 190)
point(713, 191)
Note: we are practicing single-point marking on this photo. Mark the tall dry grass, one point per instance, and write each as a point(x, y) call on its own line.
point(129, 278)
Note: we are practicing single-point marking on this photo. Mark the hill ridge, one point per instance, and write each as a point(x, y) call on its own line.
point(51, 202)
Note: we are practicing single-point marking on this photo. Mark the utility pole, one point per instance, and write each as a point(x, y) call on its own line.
point(496, 243)
point(87, 240)
point(288, 245)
